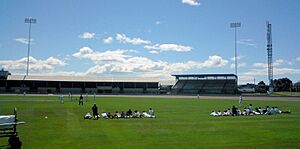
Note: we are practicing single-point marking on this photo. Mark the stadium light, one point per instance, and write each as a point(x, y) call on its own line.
point(29, 20)
point(235, 25)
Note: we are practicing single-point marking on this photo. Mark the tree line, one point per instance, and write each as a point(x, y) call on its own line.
point(279, 85)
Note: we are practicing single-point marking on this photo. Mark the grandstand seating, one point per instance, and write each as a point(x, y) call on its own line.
point(76, 85)
point(204, 85)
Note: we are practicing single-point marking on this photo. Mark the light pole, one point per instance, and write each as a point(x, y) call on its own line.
point(235, 25)
point(29, 20)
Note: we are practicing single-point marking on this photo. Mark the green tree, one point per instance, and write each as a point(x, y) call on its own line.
point(261, 87)
point(282, 84)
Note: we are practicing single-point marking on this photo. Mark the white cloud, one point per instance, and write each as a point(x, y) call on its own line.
point(67, 73)
point(55, 73)
point(154, 49)
point(87, 35)
point(215, 61)
point(83, 52)
point(283, 71)
point(290, 63)
point(238, 58)
point(136, 41)
point(108, 40)
point(67, 57)
point(276, 71)
point(260, 65)
point(121, 62)
point(131, 64)
point(298, 58)
point(23, 40)
point(239, 65)
point(153, 52)
point(191, 2)
point(277, 62)
point(35, 65)
point(244, 79)
point(54, 61)
point(168, 47)
point(247, 42)
point(256, 72)
point(157, 22)
point(101, 57)
point(133, 51)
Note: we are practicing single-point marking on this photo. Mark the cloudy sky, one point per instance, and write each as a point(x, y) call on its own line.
point(150, 38)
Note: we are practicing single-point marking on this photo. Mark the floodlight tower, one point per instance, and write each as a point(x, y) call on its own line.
point(235, 25)
point(269, 52)
point(30, 21)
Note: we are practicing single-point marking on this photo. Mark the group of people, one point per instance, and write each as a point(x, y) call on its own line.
point(105, 115)
point(129, 114)
point(116, 115)
point(249, 111)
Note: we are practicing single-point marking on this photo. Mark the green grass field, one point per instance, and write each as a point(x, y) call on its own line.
point(180, 123)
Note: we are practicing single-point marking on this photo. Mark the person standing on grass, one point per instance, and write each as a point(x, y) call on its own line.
point(80, 100)
point(95, 111)
point(86, 97)
point(61, 98)
point(240, 100)
point(70, 96)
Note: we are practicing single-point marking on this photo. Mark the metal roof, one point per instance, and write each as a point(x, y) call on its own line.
point(205, 75)
point(81, 78)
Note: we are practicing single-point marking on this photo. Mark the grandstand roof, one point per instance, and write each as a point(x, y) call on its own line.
point(81, 78)
point(205, 76)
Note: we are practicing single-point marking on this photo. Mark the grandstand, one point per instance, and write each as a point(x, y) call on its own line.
point(77, 84)
point(189, 84)
point(205, 84)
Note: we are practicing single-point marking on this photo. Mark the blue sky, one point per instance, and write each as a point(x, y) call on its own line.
point(150, 38)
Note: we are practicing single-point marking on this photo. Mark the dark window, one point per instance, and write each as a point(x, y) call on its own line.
point(66, 84)
point(2, 83)
point(14, 83)
point(90, 85)
point(129, 85)
point(78, 84)
point(152, 85)
point(41, 84)
point(28, 83)
point(53, 84)
point(141, 85)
